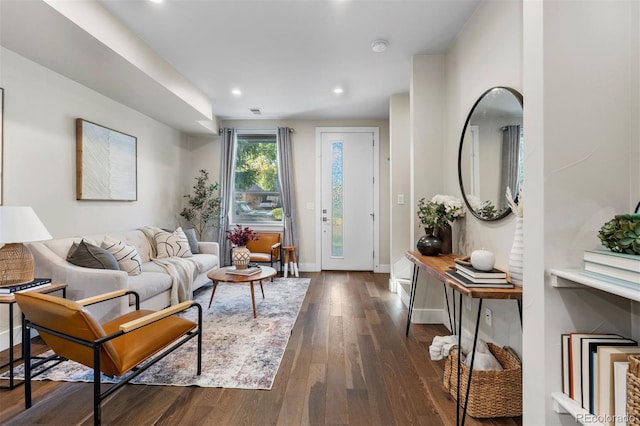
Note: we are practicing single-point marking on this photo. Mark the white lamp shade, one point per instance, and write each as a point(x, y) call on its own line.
point(21, 225)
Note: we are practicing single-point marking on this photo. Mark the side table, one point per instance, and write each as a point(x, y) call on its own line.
point(290, 257)
point(10, 299)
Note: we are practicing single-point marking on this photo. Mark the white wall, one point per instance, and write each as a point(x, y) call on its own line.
point(40, 108)
point(401, 215)
point(304, 155)
point(583, 79)
point(486, 53)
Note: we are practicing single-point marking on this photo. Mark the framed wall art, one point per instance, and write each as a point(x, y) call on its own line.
point(106, 163)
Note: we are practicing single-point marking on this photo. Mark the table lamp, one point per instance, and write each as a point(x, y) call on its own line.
point(18, 225)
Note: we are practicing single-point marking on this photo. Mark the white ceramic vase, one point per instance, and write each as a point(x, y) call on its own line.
point(516, 266)
point(240, 257)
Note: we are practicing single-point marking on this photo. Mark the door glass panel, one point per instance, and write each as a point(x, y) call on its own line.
point(336, 200)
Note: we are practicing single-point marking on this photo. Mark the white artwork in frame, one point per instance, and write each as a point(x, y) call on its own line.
point(106, 163)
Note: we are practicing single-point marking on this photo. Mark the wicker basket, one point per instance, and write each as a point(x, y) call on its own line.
point(493, 393)
point(633, 391)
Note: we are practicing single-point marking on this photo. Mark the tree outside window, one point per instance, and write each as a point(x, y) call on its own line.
point(256, 192)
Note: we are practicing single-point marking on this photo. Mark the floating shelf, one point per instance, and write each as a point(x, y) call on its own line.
point(578, 278)
point(562, 404)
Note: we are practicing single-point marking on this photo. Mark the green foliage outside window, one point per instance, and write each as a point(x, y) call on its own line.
point(256, 163)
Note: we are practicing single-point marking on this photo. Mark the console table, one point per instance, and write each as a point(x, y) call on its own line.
point(10, 299)
point(436, 267)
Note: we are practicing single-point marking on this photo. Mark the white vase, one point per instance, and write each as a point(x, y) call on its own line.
point(516, 266)
point(240, 257)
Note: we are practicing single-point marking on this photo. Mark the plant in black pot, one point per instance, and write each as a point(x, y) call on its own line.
point(436, 216)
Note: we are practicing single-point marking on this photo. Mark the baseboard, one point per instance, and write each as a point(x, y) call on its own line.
point(384, 268)
point(17, 337)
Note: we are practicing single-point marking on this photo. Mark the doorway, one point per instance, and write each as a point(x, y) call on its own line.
point(348, 198)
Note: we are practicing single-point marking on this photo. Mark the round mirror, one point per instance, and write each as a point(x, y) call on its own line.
point(490, 157)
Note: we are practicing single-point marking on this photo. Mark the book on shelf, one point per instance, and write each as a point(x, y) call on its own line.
point(613, 271)
point(482, 280)
point(566, 377)
point(453, 274)
point(476, 273)
point(588, 365)
point(630, 262)
point(606, 358)
point(37, 282)
point(575, 367)
point(620, 369)
point(246, 272)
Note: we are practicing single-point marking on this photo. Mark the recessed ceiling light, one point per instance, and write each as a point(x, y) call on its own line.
point(236, 92)
point(338, 91)
point(379, 46)
point(155, 1)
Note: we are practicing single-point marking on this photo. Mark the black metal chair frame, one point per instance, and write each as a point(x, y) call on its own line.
point(96, 345)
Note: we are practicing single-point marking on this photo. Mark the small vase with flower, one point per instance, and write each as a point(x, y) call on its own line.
point(437, 214)
point(239, 237)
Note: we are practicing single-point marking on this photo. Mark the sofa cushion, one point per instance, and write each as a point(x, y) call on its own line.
point(91, 256)
point(205, 262)
point(126, 255)
point(172, 244)
point(148, 285)
point(193, 240)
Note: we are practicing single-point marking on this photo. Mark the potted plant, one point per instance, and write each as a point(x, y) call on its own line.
point(239, 236)
point(203, 209)
point(437, 214)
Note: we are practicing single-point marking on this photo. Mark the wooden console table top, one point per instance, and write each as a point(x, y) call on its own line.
point(437, 265)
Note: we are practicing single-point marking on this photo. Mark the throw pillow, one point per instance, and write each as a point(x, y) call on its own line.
point(193, 240)
point(90, 256)
point(126, 255)
point(172, 244)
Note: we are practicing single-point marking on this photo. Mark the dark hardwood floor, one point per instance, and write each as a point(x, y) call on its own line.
point(348, 362)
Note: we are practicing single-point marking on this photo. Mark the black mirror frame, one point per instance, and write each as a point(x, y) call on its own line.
point(506, 212)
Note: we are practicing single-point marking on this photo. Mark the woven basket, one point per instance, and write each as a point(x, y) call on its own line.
point(633, 391)
point(493, 393)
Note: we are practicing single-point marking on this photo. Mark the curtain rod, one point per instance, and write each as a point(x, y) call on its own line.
point(220, 130)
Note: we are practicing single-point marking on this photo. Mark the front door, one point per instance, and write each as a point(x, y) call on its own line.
point(347, 201)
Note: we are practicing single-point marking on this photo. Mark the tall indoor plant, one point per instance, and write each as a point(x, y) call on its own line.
point(203, 205)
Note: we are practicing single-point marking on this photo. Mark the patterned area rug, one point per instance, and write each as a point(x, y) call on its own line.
point(238, 351)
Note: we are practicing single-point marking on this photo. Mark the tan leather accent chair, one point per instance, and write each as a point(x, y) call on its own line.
point(114, 347)
point(267, 249)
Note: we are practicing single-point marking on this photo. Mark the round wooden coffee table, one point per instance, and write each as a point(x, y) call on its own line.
point(222, 276)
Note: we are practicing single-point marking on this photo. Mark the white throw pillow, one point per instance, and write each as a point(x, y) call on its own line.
point(127, 256)
point(173, 244)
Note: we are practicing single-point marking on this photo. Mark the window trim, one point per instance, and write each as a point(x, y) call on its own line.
point(257, 225)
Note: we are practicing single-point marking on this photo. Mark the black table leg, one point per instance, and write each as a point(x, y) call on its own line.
point(520, 310)
point(473, 357)
point(412, 296)
point(446, 296)
point(459, 356)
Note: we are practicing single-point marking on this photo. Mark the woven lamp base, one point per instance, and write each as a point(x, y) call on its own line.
point(16, 265)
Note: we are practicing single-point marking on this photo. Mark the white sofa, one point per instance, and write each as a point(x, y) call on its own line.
point(153, 284)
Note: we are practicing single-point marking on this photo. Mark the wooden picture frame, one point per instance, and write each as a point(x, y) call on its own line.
point(106, 163)
point(1, 144)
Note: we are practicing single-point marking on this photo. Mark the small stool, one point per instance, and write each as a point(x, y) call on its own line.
point(290, 250)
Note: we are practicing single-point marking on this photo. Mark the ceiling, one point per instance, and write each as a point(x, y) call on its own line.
point(285, 56)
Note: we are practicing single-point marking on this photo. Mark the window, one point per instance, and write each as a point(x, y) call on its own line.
point(256, 191)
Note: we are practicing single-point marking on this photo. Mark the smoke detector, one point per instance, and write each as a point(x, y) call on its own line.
point(379, 46)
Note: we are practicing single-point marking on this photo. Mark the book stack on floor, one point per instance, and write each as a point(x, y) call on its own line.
point(36, 283)
point(613, 266)
point(594, 372)
point(469, 276)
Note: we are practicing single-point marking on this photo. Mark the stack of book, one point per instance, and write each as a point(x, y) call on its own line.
point(608, 264)
point(38, 282)
point(594, 371)
point(469, 276)
point(245, 272)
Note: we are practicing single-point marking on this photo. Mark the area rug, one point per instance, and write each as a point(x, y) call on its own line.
point(238, 351)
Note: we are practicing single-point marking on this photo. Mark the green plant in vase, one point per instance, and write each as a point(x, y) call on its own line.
point(203, 205)
point(438, 213)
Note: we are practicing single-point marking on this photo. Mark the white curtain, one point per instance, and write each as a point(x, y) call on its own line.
point(286, 179)
point(227, 142)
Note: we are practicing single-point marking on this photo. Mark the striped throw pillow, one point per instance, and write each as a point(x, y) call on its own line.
point(126, 255)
